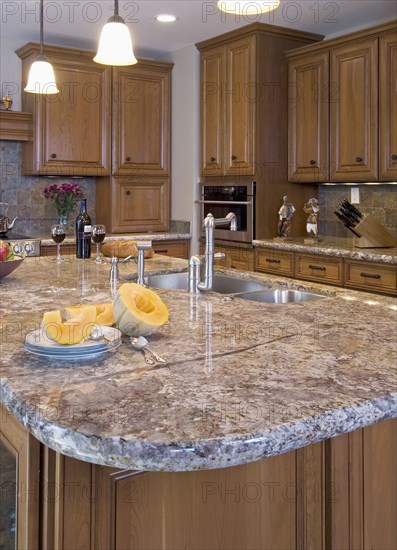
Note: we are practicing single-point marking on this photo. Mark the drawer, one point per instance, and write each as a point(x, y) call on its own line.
point(51, 250)
point(274, 261)
point(319, 268)
point(178, 249)
point(371, 276)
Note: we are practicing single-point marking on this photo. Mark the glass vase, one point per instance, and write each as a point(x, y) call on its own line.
point(64, 219)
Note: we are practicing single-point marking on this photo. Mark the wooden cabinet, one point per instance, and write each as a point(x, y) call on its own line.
point(136, 197)
point(354, 112)
point(360, 101)
point(71, 130)
point(227, 115)
point(141, 119)
point(319, 268)
point(388, 107)
point(176, 249)
point(308, 118)
point(371, 276)
point(19, 485)
point(235, 257)
point(279, 262)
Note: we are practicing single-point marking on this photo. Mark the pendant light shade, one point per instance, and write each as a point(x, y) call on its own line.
point(115, 45)
point(247, 7)
point(41, 79)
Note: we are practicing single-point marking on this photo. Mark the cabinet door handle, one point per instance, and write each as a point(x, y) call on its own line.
point(234, 157)
point(213, 159)
point(359, 159)
point(370, 275)
point(394, 157)
point(312, 162)
point(272, 261)
point(128, 159)
point(162, 251)
point(318, 267)
point(53, 156)
point(128, 192)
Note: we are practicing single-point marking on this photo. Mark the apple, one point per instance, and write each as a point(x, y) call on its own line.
point(5, 252)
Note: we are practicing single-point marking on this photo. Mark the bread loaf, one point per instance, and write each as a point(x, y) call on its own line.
point(123, 249)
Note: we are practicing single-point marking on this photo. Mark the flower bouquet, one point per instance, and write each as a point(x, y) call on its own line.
point(64, 197)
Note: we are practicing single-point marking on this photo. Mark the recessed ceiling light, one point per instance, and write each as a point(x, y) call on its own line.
point(164, 18)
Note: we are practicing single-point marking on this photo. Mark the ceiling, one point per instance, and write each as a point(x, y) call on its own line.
point(78, 23)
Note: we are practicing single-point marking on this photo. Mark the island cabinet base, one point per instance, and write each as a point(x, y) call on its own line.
point(340, 494)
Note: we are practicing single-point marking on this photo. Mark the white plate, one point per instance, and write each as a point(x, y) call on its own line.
point(38, 340)
point(71, 356)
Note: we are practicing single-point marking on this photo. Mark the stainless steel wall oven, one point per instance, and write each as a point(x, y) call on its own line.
point(222, 198)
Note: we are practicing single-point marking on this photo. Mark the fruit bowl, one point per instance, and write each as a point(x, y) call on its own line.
point(8, 267)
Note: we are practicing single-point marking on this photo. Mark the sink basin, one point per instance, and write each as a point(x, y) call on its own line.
point(221, 283)
point(281, 296)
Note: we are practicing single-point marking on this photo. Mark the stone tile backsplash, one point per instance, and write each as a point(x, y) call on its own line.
point(378, 200)
point(24, 194)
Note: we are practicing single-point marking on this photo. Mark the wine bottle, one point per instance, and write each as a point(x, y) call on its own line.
point(83, 232)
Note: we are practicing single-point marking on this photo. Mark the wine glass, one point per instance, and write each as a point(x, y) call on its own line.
point(58, 235)
point(98, 236)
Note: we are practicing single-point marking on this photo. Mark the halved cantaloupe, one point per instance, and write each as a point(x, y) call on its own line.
point(139, 311)
point(72, 331)
point(104, 313)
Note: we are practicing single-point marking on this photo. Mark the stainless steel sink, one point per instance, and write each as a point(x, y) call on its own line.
point(280, 296)
point(221, 283)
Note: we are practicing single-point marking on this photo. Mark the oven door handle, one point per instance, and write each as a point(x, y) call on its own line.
point(237, 203)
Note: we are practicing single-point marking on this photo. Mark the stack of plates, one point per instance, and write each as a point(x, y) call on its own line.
point(38, 343)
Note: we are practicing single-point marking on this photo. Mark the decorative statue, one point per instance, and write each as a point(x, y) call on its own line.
point(285, 213)
point(312, 208)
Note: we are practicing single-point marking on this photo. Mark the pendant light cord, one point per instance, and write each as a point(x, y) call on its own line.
point(41, 26)
point(116, 7)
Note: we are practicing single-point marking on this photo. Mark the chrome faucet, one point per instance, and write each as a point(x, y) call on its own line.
point(142, 246)
point(195, 262)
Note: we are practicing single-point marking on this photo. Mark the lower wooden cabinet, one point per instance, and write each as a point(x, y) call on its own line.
point(334, 495)
point(177, 249)
point(371, 276)
point(279, 262)
point(131, 204)
point(319, 268)
point(362, 275)
point(236, 257)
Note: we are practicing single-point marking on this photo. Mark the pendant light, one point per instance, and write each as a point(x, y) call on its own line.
point(247, 7)
point(115, 46)
point(41, 78)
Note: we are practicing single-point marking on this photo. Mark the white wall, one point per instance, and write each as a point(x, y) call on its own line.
point(185, 137)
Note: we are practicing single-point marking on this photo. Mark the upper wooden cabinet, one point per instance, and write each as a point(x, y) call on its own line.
point(388, 107)
point(359, 97)
point(354, 112)
point(141, 119)
point(228, 115)
point(308, 155)
point(242, 76)
point(71, 130)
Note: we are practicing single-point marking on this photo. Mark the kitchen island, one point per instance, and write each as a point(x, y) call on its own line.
point(243, 382)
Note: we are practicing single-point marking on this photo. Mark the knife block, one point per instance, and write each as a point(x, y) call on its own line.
point(372, 234)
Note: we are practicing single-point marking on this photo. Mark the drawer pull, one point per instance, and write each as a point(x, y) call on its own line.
point(359, 159)
point(394, 157)
point(128, 159)
point(318, 267)
point(272, 261)
point(312, 162)
point(128, 193)
point(213, 159)
point(53, 156)
point(234, 157)
point(161, 251)
point(370, 275)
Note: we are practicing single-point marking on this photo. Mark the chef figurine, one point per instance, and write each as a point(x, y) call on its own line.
point(312, 208)
point(6, 103)
point(285, 214)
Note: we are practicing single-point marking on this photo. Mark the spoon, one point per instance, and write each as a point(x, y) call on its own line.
point(151, 357)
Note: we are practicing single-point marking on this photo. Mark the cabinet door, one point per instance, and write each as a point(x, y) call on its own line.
point(140, 204)
point(141, 121)
point(388, 107)
point(354, 112)
point(71, 130)
point(239, 96)
point(308, 119)
point(19, 485)
point(212, 111)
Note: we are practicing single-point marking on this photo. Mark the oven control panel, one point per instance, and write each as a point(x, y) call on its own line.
point(29, 247)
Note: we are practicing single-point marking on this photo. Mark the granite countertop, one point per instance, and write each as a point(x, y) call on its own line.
point(243, 380)
point(333, 246)
point(45, 241)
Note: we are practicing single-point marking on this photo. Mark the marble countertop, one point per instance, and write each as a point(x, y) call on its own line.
point(45, 241)
point(332, 246)
point(243, 380)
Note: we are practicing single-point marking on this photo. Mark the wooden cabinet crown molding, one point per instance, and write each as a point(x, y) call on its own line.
point(15, 126)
